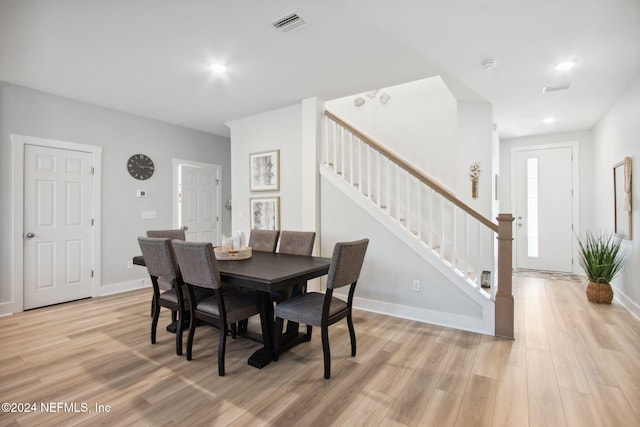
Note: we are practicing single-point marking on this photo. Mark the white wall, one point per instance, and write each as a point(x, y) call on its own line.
point(32, 113)
point(616, 136)
point(424, 124)
point(418, 123)
point(474, 142)
point(280, 129)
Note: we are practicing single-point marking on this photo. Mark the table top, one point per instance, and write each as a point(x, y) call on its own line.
point(269, 271)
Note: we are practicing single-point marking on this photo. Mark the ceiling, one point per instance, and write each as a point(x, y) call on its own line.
point(151, 57)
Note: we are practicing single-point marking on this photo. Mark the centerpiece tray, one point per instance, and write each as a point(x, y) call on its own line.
point(225, 254)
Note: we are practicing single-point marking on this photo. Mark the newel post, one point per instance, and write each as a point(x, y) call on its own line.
point(504, 296)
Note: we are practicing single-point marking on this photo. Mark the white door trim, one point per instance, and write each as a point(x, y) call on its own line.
point(16, 302)
point(176, 178)
point(575, 177)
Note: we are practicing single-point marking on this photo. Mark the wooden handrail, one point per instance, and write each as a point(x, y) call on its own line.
point(413, 171)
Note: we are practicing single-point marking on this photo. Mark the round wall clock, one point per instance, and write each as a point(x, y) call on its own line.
point(140, 166)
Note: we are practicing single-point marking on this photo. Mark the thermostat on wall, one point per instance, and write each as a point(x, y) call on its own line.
point(141, 193)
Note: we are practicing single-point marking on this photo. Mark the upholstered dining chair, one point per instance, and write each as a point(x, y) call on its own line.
point(264, 240)
point(166, 234)
point(316, 309)
point(296, 242)
point(173, 234)
point(200, 271)
point(161, 263)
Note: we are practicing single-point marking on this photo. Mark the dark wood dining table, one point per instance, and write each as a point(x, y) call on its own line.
point(265, 273)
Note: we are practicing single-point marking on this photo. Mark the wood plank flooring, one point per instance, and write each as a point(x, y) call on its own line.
point(573, 363)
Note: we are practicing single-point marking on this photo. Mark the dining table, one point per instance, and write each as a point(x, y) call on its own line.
point(267, 273)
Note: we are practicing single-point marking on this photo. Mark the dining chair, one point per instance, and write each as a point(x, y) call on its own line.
point(296, 242)
point(264, 240)
point(172, 234)
point(200, 271)
point(316, 309)
point(161, 263)
point(166, 234)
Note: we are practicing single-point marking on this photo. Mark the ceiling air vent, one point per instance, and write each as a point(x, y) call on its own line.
point(556, 88)
point(289, 22)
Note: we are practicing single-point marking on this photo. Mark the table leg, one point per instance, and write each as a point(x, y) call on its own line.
point(263, 356)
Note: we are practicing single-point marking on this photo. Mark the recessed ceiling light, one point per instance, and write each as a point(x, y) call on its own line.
point(218, 68)
point(565, 66)
point(549, 120)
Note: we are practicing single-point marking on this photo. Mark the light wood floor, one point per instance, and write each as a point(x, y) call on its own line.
point(573, 363)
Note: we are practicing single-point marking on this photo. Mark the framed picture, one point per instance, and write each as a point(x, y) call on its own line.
point(265, 213)
point(265, 171)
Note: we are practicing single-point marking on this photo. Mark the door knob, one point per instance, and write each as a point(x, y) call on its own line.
point(185, 227)
point(519, 224)
point(30, 235)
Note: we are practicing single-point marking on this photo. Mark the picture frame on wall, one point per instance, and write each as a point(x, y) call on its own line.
point(264, 168)
point(265, 213)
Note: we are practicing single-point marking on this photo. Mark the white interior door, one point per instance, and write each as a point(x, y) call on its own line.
point(544, 209)
point(199, 202)
point(58, 191)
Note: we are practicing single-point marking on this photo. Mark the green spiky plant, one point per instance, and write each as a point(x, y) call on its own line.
point(601, 257)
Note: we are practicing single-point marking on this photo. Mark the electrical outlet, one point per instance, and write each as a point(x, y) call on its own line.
point(129, 264)
point(416, 286)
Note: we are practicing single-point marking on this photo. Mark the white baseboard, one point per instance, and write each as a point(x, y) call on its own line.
point(484, 326)
point(626, 302)
point(129, 285)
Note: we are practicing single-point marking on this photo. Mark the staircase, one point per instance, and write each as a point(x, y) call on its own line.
point(449, 234)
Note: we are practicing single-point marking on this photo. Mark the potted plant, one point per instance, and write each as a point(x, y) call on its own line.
point(601, 258)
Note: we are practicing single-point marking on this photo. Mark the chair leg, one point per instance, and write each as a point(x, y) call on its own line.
point(234, 330)
point(325, 350)
point(309, 330)
point(243, 326)
point(221, 349)
point(154, 321)
point(352, 334)
point(192, 332)
point(277, 338)
point(179, 331)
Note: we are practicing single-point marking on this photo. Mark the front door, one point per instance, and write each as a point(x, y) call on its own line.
point(199, 202)
point(58, 245)
point(544, 209)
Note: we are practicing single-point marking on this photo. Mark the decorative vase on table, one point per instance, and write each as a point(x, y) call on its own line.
point(601, 258)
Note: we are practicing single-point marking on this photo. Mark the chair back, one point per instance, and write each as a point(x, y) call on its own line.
point(159, 257)
point(169, 234)
point(346, 263)
point(296, 242)
point(264, 240)
point(198, 264)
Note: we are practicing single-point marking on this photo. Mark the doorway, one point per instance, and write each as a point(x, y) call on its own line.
point(56, 209)
point(544, 195)
point(198, 200)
